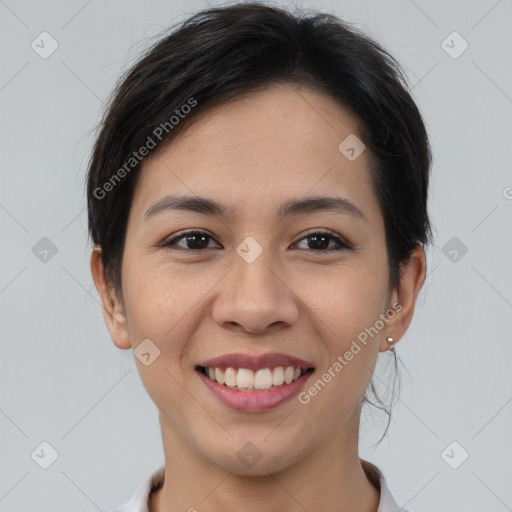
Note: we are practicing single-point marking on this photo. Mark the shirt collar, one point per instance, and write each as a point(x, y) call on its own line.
point(153, 481)
point(387, 503)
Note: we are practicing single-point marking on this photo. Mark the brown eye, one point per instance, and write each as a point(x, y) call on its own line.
point(319, 241)
point(193, 240)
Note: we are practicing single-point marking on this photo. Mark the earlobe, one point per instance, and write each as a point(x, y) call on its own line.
point(113, 309)
point(411, 282)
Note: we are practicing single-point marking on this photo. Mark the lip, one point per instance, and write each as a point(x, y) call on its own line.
point(254, 401)
point(255, 362)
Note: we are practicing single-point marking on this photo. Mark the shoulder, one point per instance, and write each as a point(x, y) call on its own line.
point(139, 500)
point(387, 502)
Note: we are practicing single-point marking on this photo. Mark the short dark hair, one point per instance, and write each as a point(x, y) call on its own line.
point(222, 53)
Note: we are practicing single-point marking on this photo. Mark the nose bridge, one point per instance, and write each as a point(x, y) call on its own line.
point(254, 275)
point(254, 295)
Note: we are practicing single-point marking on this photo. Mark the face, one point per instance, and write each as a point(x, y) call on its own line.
point(250, 282)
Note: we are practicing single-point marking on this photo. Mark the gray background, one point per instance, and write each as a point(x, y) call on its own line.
point(63, 381)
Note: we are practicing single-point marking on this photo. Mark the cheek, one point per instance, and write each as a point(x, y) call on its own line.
point(155, 301)
point(158, 306)
point(164, 302)
point(345, 301)
point(347, 306)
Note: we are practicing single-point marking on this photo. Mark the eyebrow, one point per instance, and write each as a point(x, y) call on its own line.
point(206, 206)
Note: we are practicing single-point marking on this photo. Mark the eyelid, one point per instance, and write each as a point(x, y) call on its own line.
point(181, 234)
point(342, 242)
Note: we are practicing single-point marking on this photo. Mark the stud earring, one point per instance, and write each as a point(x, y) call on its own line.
point(390, 340)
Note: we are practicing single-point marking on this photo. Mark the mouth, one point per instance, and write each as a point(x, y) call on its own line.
point(249, 380)
point(250, 383)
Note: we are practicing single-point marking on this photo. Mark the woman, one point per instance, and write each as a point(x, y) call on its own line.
point(257, 199)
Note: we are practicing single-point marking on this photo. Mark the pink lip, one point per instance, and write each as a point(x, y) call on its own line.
point(254, 401)
point(251, 362)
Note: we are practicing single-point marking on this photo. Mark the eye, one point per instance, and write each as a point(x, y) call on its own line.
point(320, 240)
point(199, 240)
point(195, 240)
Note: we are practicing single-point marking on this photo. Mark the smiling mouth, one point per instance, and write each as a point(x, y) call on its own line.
point(245, 379)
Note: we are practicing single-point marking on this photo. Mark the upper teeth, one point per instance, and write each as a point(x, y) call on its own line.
point(249, 380)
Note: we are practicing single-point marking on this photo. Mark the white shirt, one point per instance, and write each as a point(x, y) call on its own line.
point(139, 500)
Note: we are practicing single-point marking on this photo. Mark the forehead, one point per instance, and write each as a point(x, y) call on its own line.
point(254, 152)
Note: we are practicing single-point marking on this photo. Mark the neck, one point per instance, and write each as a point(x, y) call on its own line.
point(330, 478)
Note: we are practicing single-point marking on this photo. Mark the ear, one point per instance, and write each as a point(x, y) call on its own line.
point(411, 281)
point(113, 308)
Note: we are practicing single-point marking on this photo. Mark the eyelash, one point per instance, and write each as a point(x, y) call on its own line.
point(342, 244)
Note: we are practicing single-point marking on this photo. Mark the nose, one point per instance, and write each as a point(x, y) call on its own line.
point(255, 298)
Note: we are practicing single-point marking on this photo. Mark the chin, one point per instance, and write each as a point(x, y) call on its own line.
point(255, 458)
